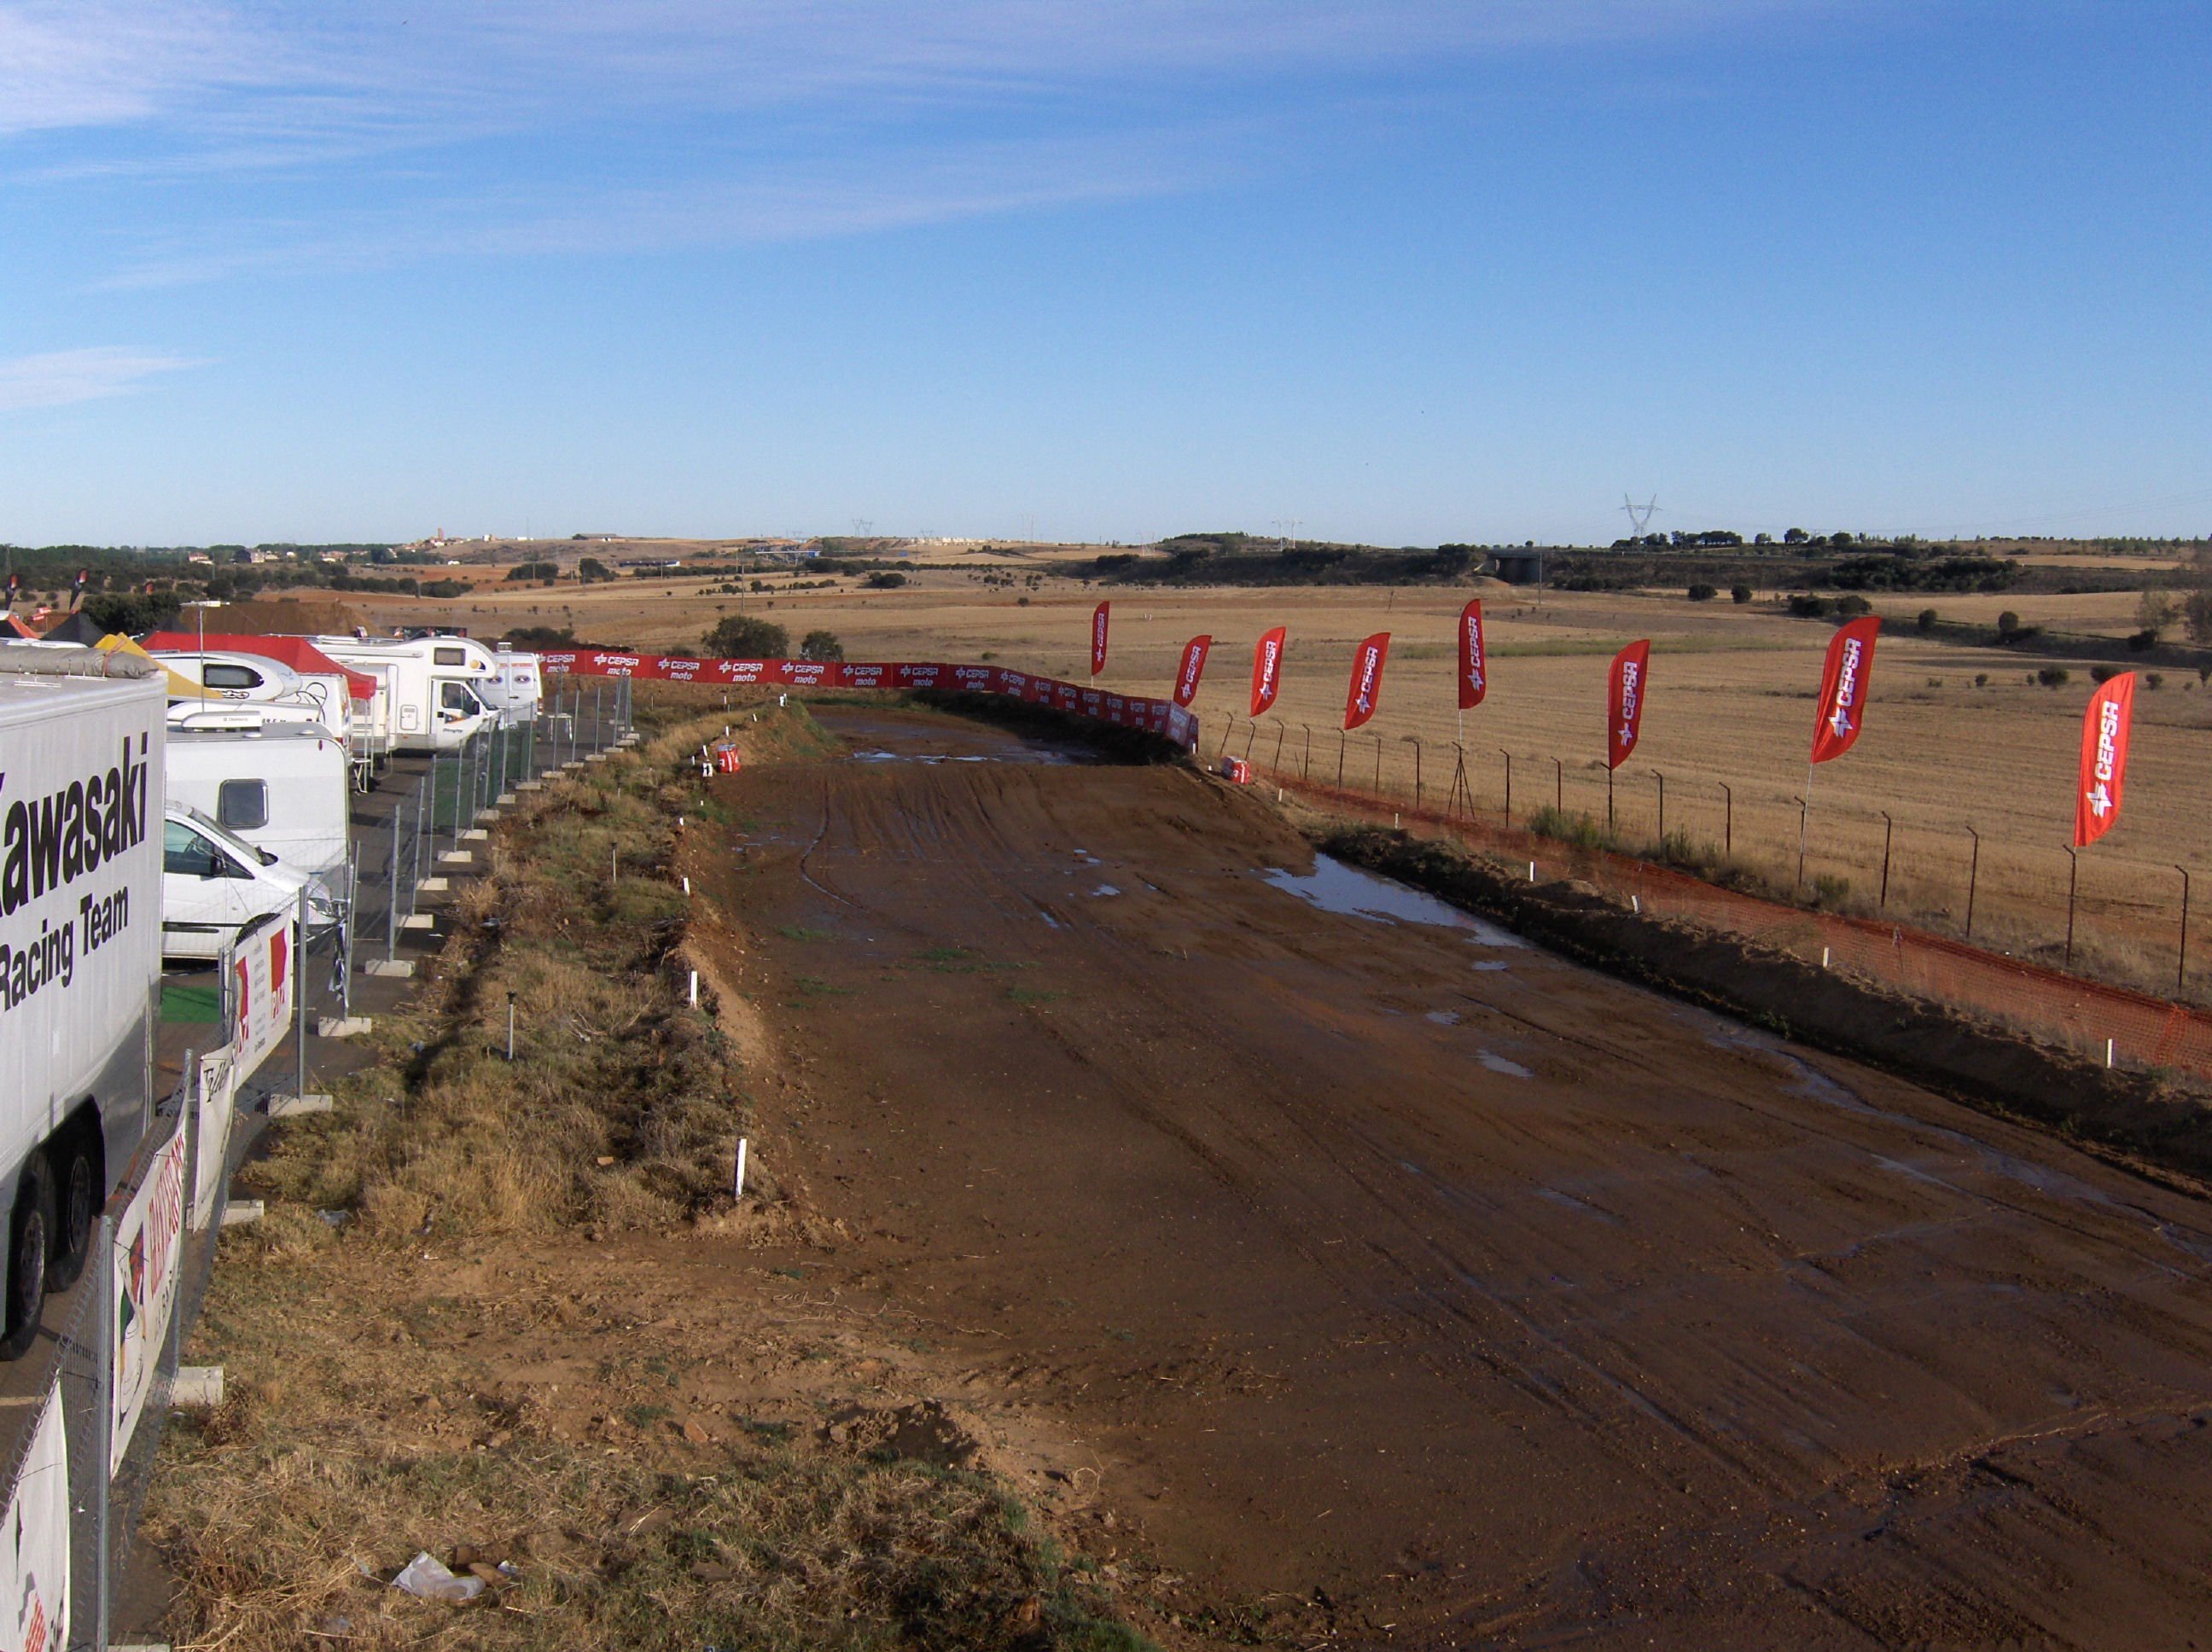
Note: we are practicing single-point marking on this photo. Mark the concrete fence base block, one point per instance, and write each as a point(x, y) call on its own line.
point(196, 1388)
point(456, 858)
point(243, 1212)
point(527, 786)
point(431, 886)
point(343, 1026)
point(137, 1646)
point(477, 834)
point(287, 1107)
point(399, 968)
point(506, 799)
point(420, 921)
point(487, 816)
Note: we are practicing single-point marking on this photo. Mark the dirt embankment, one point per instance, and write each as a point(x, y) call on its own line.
point(2140, 1115)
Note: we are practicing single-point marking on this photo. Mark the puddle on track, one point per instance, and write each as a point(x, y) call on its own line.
point(1335, 887)
point(1499, 1064)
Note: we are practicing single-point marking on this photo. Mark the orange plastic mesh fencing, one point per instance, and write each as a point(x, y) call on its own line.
point(2107, 1023)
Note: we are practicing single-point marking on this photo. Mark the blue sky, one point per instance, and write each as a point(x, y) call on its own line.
point(1397, 271)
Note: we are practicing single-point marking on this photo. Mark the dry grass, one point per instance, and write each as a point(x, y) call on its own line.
point(365, 1424)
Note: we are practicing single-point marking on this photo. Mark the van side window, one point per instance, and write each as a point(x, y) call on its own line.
point(222, 674)
point(456, 697)
point(242, 805)
point(183, 850)
point(449, 656)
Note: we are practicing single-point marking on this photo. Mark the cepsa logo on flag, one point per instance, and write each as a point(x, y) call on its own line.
point(1366, 679)
point(1193, 668)
point(1098, 637)
point(2104, 759)
point(1845, 681)
point(1267, 668)
point(1625, 715)
point(1474, 667)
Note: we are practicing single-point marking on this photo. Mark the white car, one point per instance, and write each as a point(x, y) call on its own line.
point(215, 885)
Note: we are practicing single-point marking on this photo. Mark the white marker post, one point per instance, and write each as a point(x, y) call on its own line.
point(737, 1187)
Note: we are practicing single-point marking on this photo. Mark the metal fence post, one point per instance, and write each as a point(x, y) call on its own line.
point(391, 888)
point(599, 726)
point(422, 792)
point(300, 1000)
point(104, 1390)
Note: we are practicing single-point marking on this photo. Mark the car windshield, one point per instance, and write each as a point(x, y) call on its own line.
point(246, 854)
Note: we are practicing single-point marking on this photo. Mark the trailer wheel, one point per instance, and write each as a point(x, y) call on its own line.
point(27, 1240)
point(76, 1207)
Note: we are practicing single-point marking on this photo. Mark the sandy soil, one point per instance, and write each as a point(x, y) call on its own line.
point(1420, 1287)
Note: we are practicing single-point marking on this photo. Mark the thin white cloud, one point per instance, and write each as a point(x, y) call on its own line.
point(62, 378)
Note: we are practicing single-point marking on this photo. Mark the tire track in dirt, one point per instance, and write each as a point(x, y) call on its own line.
point(1683, 1338)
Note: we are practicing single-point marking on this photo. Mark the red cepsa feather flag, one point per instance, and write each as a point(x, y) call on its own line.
point(1473, 663)
point(1623, 708)
point(1844, 682)
point(2104, 759)
point(1098, 638)
point(1366, 687)
point(1193, 668)
point(1267, 668)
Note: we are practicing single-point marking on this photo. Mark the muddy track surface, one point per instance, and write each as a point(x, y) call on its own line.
point(1408, 1286)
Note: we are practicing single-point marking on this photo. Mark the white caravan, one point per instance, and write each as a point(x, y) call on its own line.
point(216, 886)
point(516, 691)
point(79, 957)
point(438, 684)
point(240, 678)
point(276, 785)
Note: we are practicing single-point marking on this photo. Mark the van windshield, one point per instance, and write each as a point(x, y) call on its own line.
point(455, 697)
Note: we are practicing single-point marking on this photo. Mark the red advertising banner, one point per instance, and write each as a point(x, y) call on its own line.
point(2104, 759)
point(1267, 668)
point(1846, 681)
point(1158, 716)
point(1473, 663)
point(1623, 710)
point(1366, 687)
point(1098, 638)
point(1193, 668)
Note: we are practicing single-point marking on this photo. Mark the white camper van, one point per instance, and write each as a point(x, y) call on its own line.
point(281, 786)
point(215, 885)
point(80, 955)
point(518, 688)
point(243, 678)
point(437, 685)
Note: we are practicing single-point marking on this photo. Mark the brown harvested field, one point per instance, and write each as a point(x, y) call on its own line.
point(1731, 704)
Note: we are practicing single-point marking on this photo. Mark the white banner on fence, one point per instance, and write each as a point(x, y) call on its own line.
point(149, 1248)
point(263, 975)
point(217, 1088)
point(34, 1572)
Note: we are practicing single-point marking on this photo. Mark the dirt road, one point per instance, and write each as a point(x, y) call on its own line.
point(1418, 1287)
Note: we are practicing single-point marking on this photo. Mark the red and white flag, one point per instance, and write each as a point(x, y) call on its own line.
point(1098, 638)
point(1474, 662)
point(1624, 707)
point(1366, 688)
point(1193, 668)
point(2104, 759)
point(1267, 668)
point(1845, 681)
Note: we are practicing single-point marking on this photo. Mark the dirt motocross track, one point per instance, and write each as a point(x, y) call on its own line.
point(1425, 1289)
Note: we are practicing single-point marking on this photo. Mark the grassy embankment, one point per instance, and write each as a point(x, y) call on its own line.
point(390, 1332)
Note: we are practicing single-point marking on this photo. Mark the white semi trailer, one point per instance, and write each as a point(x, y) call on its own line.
point(81, 800)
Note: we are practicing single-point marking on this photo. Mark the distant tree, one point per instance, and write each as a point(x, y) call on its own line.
point(1805, 605)
point(2196, 615)
point(888, 579)
point(1795, 537)
point(534, 571)
point(445, 588)
point(1703, 592)
point(1927, 619)
point(382, 557)
point(1762, 538)
point(1739, 594)
point(1851, 606)
point(2103, 673)
point(592, 568)
point(2007, 624)
point(542, 636)
point(2154, 612)
point(821, 645)
point(2054, 677)
point(134, 614)
point(746, 636)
